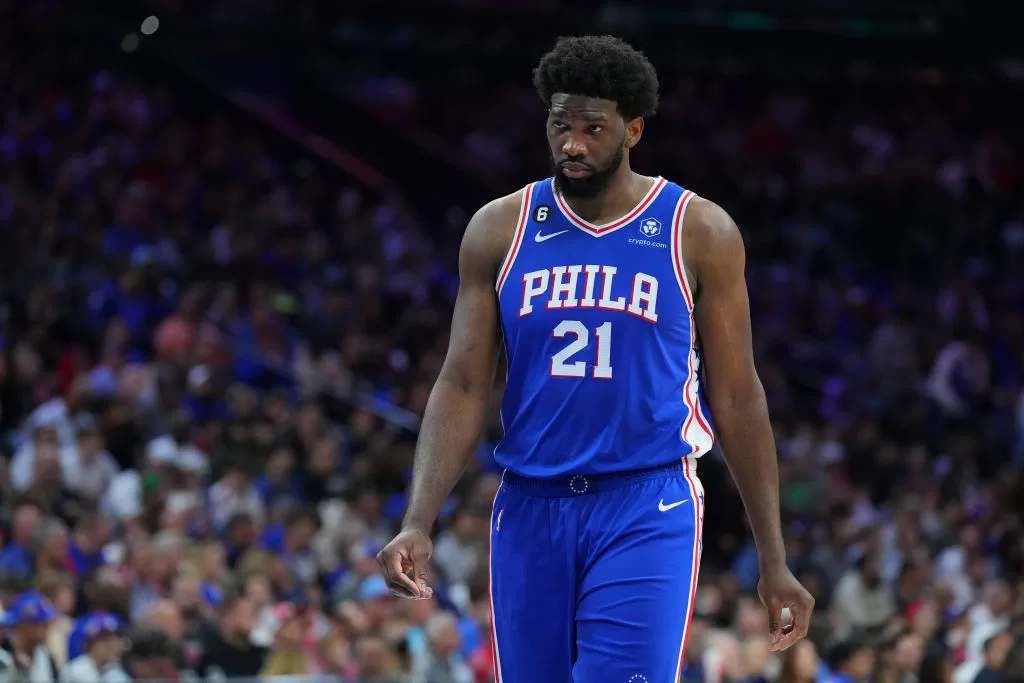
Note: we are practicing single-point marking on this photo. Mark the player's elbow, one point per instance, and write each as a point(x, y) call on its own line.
point(469, 382)
point(744, 395)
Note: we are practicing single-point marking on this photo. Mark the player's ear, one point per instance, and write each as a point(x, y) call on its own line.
point(634, 130)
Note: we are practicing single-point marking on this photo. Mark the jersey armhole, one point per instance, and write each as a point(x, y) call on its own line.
point(678, 265)
point(517, 239)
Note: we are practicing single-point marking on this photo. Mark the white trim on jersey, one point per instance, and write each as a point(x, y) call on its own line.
point(701, 439)
point(517, 239)
point(678, 264)
point(704, 439)
point(608, 228)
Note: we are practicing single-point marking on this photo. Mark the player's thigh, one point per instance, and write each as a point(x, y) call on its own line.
point(635, 597)
point(532, 596)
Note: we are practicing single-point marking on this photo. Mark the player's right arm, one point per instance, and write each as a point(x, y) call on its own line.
point(456, 413)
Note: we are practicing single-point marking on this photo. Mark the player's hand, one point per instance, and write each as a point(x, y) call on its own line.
point(404, 562)
point(780, 590)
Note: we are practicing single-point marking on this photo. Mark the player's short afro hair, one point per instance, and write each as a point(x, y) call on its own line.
point(604, 67)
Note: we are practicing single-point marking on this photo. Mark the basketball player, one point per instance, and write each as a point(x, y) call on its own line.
point(613, 296)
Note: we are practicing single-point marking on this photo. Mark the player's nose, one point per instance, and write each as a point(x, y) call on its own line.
point(574, 147)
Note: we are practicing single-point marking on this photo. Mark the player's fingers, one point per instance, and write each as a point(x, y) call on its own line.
point(390, 561)
point(421, 571)
point(797, 628)
point(774, 608)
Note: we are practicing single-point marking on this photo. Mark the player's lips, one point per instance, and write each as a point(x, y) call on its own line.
point(573, 169)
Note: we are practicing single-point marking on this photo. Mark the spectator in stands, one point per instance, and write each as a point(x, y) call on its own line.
point(150, 655)
point(851, 661)
point(226, 647)
point(800, 664)
point(24, 657)
point(377, 664)
point(16, 557)
point(101, 661)
point(960, 377)
point(997, 649)
point(235, 494)
point(195, 606)
point(90, 537)
point(954, 563)
point(863, 599)
point(292, 542)
point(143, 576)
point(443, 662)
point(457, 552)
point(59, 589)
point(287, 655)
point(26, 463)
point(901, 659)
point(992, 614)
point(86, 466)
point(52, 548)
point(279, 482)
point(165, 616)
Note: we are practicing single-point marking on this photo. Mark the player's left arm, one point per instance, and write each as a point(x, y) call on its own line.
point(715, 262)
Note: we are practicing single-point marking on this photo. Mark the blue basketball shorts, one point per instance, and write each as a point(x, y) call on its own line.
point(593, 578)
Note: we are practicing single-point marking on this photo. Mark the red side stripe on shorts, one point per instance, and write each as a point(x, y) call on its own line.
point(695, 567)
point(495, 661)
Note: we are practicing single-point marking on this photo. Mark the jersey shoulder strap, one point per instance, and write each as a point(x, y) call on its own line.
point(526, 206)
point(543, 201)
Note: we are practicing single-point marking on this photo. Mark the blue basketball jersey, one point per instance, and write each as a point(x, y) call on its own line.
point(597, 321)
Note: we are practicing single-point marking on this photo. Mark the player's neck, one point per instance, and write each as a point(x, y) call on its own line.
point(623, 193)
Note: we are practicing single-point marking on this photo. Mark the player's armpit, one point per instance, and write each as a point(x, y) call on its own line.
point(722, 308)
point(739, 410)
point(475, 331)
point(456, 412)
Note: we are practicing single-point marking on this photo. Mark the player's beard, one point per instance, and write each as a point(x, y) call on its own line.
point(594, 184)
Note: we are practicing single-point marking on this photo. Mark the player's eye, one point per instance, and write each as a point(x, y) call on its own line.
point(559, 125)
point(594, 130)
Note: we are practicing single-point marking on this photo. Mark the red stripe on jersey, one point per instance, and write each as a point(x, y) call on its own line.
point(608, 227)
point(517, 239)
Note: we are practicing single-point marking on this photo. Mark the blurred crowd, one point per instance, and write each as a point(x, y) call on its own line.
point(210, 349)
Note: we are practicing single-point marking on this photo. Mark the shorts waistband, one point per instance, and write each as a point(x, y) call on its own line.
point(585, 484)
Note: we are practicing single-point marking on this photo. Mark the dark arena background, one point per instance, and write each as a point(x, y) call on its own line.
point(228, 242)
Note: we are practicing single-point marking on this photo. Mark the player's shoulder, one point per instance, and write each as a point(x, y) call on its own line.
point(500, 212)
point(708, 227)
point(712, 244)
point(492, 228)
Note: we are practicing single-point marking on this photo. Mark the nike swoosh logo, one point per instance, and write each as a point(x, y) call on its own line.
point(540, 238)
point(665, 508)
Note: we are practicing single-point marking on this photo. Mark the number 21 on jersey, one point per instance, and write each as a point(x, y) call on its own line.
point(560, 362)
